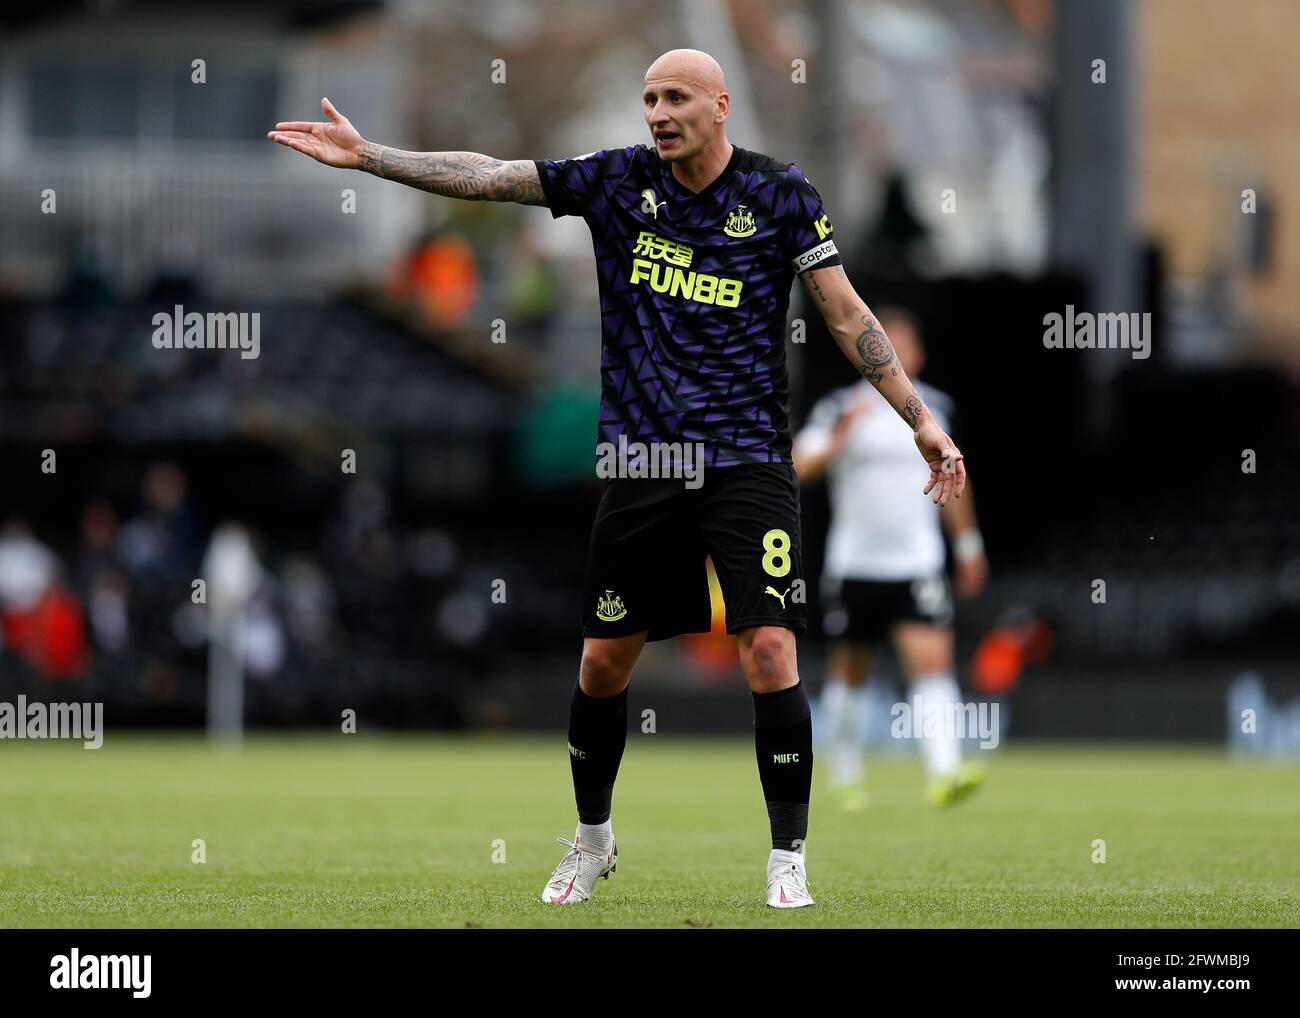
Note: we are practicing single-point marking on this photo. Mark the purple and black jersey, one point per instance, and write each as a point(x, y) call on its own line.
point(694, 292)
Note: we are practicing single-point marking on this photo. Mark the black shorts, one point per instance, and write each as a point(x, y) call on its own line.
point(646, 568)
point(865, 610)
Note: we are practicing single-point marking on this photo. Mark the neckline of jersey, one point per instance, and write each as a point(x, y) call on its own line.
point(683, 192)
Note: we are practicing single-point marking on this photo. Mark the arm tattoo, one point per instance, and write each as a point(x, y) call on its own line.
point(465, 175)
point(814, 285)
point(912, 410)
point(516, 181)
point(810, 280)
point(876, 351)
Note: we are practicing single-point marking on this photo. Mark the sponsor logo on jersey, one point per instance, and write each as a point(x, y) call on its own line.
point(610, 607)
point(670, 279)
point(823, 227)
point(740, 222)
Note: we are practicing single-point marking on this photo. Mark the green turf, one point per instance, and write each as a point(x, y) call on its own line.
point(354, 831)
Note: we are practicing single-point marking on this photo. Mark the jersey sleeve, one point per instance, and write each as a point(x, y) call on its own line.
point(809, 240)
point(815, 435)
point(573, 187)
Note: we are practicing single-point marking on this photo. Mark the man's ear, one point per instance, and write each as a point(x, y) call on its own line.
point(724, 108)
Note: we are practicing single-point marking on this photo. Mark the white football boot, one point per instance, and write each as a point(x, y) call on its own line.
point(575, 878)
point(787, 881)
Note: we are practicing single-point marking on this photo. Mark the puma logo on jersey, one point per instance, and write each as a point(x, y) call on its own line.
point(780, 597)
point(649, 204)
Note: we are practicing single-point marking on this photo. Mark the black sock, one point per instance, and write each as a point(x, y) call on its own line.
point(597, 735)
point(783, 743)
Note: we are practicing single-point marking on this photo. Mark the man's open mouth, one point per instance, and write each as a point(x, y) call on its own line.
point(666, 137)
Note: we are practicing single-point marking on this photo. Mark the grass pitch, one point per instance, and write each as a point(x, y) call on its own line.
point(335, 830)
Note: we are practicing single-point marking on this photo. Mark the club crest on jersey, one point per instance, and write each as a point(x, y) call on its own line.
point(610, 607)
point(648, 203)
point(740, 222)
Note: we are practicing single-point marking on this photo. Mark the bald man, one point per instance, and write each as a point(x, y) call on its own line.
point(697, 243)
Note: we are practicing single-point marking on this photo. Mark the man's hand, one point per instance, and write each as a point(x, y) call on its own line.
point(466, 175)
point(947, 471)
point(336, 143)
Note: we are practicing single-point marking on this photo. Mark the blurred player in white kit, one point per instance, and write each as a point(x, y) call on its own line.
point(884, 574)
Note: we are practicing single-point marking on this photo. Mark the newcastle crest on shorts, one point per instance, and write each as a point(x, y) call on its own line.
point(610, 607)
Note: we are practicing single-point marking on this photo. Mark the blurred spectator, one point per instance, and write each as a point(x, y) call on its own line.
point(27, 567)
point(41, 621)
point(243, 627)
point(164, 536)
point(100, 577)
point(533, 289)
point(309, 605)
point(441, 275)
point(362, 532)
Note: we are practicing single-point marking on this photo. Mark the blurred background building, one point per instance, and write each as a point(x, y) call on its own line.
point(985, 162)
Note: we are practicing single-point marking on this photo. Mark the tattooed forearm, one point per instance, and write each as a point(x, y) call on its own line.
point(858, 333)
point(466, 175)
point(451, 174)
point(876, 351)
point(913, 410)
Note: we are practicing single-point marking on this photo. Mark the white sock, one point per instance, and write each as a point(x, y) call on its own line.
point(941, 748)
point(598, 839)
point(842, 707)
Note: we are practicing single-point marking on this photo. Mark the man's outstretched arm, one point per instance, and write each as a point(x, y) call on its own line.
point(466, 175)
point(869, 350)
